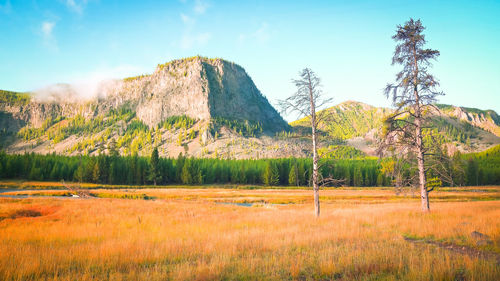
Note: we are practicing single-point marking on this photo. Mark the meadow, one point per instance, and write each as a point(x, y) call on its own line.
point(207, 234)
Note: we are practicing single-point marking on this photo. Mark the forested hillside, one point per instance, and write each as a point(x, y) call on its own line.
point(361, 125)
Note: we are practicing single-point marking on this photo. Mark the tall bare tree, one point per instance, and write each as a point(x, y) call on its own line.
point(412, 94)
point(306, 101)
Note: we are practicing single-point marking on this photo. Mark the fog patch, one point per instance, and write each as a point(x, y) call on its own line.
point(77, 92)
point(94, 85)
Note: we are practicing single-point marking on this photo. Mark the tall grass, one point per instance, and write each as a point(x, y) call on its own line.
point(195, 239)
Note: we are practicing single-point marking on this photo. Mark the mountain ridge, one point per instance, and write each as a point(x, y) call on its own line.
point(357, 123)
point(206, 108)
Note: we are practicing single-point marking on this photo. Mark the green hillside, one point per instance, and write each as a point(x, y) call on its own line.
point(351, 119)
point(469, 129)
point(14, 98)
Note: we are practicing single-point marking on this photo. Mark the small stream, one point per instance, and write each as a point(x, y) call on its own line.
point(26, 196)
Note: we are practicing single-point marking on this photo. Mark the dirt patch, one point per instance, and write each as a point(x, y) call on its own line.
point(25, 213)
point(31, 212)
point(463, 250)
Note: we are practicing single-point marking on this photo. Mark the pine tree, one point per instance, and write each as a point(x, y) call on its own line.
point(154, 169)
point(79, 173)
point(413, 92)
point(271, 174)
point(301, 174)
point(292, 177)
point(186, 177)
point(112, 175)
point(380, 180)
point(358, 177)
point(96, 175)
point(242, 175)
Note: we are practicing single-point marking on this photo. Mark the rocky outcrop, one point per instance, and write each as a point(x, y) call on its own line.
point(487, 120)
point(198, 87)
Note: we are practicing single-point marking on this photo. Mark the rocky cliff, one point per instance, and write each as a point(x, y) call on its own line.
point(485, 119)
point(197, 87)
point(201, 89)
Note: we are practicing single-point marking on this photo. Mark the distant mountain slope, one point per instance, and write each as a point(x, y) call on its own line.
point(352, 119)
point(488, 120)
point(359, 125)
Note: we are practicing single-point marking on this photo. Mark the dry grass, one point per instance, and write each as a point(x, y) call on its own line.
point(184, 235)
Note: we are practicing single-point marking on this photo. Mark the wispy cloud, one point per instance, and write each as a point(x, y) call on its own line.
point(200, 7)
point(76, 6)
point(190, 36)
point(187, 20)
point(261, 35)
point(47, 27)
point(47, 33)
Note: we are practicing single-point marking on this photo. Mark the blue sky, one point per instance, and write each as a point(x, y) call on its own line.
point(347, 43)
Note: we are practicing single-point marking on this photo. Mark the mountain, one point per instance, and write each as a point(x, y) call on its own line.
point(197, 87)
point(488, 120)
point(192, 100)
point(360, 125)
point(204, 108)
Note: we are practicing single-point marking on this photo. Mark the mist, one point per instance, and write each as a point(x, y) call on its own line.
point(89, 86)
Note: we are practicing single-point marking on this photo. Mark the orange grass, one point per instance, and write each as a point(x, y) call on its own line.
point(186, 236)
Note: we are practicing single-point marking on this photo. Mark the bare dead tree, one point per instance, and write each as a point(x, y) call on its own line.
point(306, 101)
point(76, 190)
point(412, 94)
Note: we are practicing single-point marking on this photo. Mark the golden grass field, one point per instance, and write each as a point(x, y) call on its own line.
point(185, 234)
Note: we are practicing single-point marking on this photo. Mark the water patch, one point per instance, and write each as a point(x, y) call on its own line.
point(237, 204)
point(27, 196)
point(257, 204)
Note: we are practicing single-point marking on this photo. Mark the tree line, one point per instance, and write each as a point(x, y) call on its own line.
point(467, 169)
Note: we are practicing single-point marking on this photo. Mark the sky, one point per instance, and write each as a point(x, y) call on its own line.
point(347, 43)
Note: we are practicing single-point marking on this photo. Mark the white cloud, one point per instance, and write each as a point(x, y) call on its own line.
point(76, 5)
point(190, 37)
point(47, 29)
point(187, 20)
point(200, 7)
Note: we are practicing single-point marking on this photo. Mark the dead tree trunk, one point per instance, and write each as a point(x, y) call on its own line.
point(306, 101)
point(424, 196)
point(419, 138)
point(315, 154)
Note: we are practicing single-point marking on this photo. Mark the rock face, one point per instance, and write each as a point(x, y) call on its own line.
point(197, 87)
point(203, 88)
point(487, 119)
